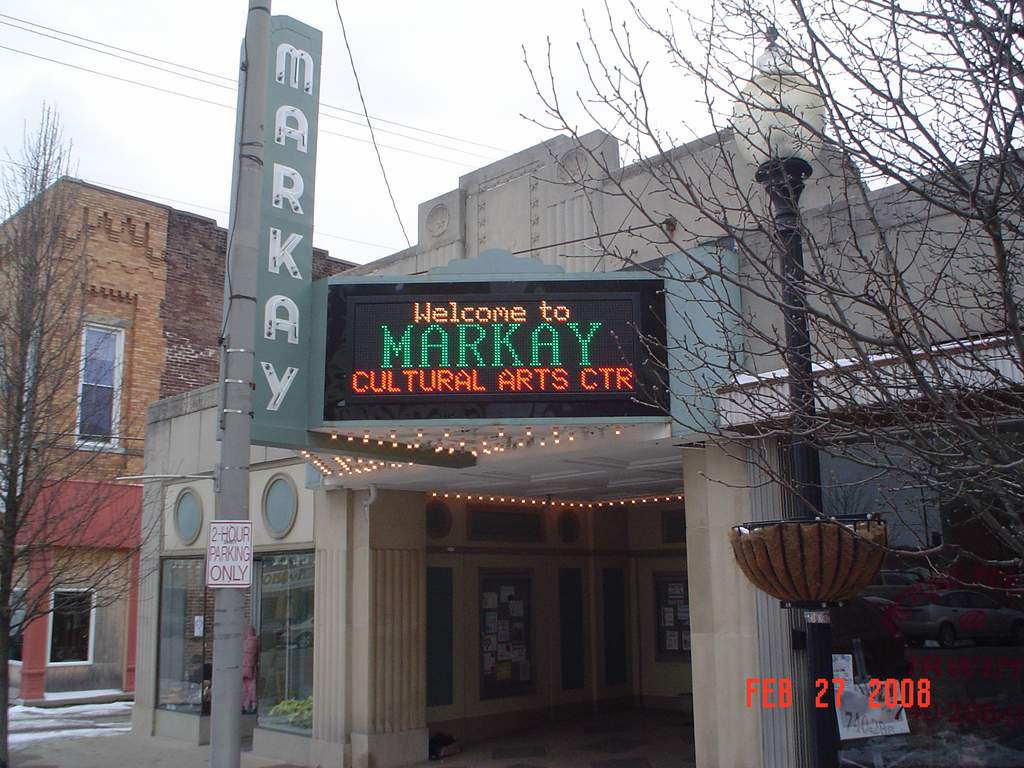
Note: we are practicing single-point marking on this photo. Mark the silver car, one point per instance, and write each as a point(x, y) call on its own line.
point(951, 615)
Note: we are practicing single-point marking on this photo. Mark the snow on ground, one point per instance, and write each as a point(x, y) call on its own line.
point(30, 724)
point(78, 733)
point(64, 695)
point(945, 749)
point(110, 709)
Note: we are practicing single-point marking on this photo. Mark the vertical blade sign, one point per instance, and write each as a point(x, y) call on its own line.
point(282, 336)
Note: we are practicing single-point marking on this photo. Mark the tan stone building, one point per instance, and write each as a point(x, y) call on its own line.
point(578, 566)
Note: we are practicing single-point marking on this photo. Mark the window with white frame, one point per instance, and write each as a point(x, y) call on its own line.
point(99, 389)
point(71, 626)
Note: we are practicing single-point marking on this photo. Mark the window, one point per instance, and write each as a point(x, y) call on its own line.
point(100, 386)
point(188, 516)
point(185, 651)
point(280, 656)
point(71, 627)
point(279, 506)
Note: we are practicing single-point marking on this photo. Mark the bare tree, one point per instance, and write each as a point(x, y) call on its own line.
point(911, 227)
point(61, 525)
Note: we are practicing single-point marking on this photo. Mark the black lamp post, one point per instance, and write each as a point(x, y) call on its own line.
point(776, 121)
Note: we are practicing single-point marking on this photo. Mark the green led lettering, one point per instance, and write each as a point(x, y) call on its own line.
point(470, 346)
point(584, 340)
point(552, 344)
point(393, 349)
point(504, 340)
point(441, 345)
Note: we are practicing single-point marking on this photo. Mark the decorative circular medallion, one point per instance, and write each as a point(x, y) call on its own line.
point(439, 520)
point(572, 166)
point(437, 220)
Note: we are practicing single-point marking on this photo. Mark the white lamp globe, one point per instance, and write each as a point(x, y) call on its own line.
point(780, 113)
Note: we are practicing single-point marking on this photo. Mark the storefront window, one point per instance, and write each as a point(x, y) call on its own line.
point(186, 616)
point(285, 673)
point(71, 626)
point(932, 653)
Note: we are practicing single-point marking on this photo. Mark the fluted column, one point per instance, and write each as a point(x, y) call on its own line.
point(330, 640)
point(148, 622)
point(722, 609)
point(388, 630)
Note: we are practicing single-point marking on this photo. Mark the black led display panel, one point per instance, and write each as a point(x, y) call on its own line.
point(495, 350)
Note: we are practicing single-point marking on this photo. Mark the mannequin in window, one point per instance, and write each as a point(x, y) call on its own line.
point(250, 656)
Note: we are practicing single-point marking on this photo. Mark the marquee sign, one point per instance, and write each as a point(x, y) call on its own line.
point(542, 348)
point(284, 281)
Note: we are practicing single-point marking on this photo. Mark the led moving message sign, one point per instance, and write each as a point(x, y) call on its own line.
point(495, 350)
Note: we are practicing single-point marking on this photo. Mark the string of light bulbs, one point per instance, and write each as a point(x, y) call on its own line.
point(571, 503)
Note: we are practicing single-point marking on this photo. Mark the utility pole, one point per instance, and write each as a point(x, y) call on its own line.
point(232, 476)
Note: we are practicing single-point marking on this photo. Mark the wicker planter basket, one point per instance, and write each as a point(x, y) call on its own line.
point(810, 562)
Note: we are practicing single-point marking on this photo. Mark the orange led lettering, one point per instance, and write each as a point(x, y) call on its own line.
point(358, 377)
point(468, 381)
point(586, 379)
point(559, 379)
point(444, 377)
point(624, 379)
point(524, 380)
point(506, 381)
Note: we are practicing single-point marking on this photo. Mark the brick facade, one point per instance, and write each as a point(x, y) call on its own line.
point(191, 310)
point(158, 274)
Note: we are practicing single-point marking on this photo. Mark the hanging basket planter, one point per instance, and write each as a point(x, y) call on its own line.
point(810, 562)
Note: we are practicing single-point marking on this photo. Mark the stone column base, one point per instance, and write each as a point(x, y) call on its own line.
point(390, 750)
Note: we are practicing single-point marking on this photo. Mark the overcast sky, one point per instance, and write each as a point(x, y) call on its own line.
point(452, 67)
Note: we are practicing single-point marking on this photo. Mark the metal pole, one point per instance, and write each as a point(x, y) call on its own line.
point(784, 180)
point(232, 491)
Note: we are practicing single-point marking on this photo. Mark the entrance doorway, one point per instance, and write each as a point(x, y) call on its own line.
point(538, 614)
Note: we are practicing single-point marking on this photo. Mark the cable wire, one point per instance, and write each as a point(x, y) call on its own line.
point(373, 137)
point(234, 88)
point(233, 85)
point(460, 163)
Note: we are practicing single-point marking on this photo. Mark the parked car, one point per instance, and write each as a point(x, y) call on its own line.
point(892, 584)
point(951, 615)
point(867, 628)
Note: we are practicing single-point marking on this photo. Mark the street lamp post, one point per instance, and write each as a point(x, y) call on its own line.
point(777, 121)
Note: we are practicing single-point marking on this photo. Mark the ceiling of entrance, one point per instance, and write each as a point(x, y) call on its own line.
point(569, 462)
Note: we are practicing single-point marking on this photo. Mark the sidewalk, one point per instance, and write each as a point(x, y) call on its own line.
point(120, 751)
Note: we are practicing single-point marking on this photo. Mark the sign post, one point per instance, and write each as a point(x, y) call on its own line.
point(231, 500)
point(265, 341)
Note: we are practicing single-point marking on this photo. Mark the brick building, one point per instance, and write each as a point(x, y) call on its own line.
point(154, 303)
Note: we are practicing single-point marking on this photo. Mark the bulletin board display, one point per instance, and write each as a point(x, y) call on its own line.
point(672, 619)
point(506, 643)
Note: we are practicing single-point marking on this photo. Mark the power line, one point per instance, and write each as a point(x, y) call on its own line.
point(232, 88)
point(380, 160)
point(219, 104)
point(153, 196)
point(233, 85)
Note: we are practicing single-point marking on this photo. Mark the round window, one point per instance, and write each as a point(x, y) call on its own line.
point(188, 516)
point(279, 506)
